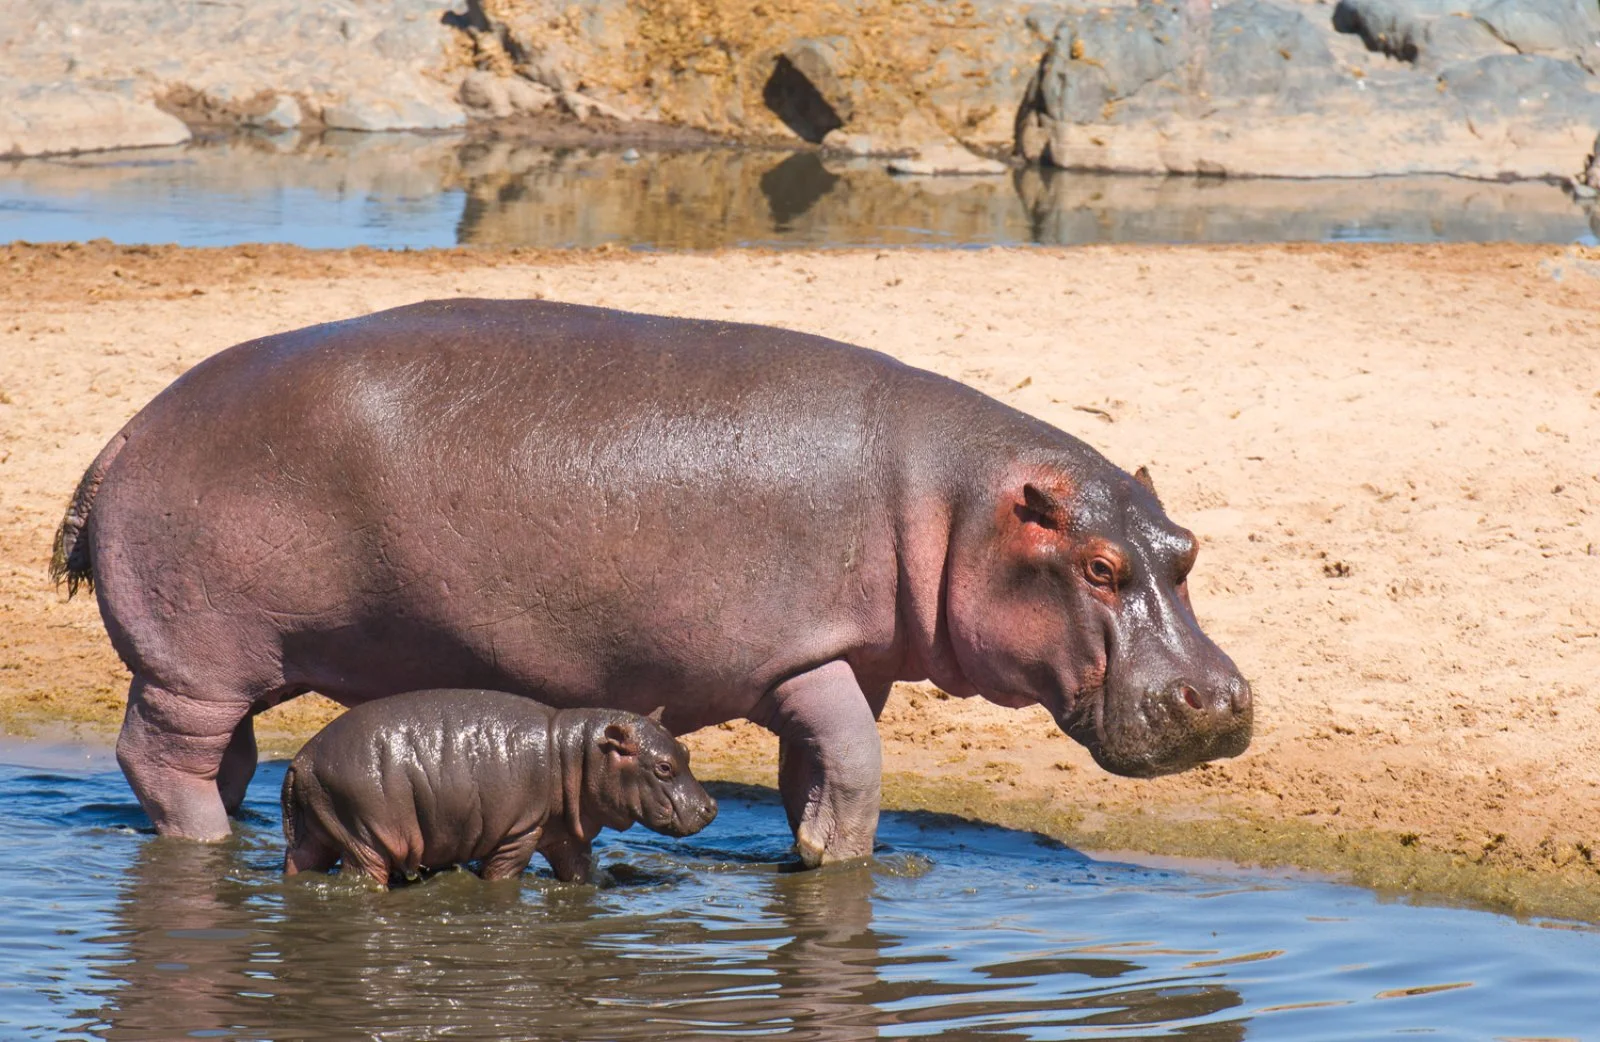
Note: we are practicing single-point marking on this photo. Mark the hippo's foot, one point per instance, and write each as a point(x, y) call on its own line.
point(171, 748)
point(830, 763)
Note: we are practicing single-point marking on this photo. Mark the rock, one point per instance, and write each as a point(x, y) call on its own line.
point(1432, 32)
point(368, 65)
point(808, 89)
point(1253, 88)
point(850, 144)
point(1590, 177)
point(584, 107)
point(1266, 50)
point(1525, 88)
point(527, 97)
point(486, 94)
point(946, 160)
point(490, 95)
point(285, 114)
point(378, 113)
point(72, 117)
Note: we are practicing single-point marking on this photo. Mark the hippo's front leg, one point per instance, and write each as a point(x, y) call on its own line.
point(830, 762)
point(571, 858)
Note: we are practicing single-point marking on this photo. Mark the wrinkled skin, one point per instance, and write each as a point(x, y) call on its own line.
point(431, 779)
point(603, 508)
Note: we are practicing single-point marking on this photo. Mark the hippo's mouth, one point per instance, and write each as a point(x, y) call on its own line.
point(1085, 721)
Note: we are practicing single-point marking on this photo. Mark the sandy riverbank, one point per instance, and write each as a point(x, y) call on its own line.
point(1391, 454)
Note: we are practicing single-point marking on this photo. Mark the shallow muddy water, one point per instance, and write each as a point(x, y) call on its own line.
point(955, 930)
point(396, 190)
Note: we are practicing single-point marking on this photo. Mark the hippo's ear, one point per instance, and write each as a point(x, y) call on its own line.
point(655, 714)
point(619, 739)
point(1142, 476)
point(1041, 508)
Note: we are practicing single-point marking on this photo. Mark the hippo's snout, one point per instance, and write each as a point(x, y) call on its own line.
point(1170, 727)
point(691, 814)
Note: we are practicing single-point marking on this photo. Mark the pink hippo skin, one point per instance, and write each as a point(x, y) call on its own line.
point(431, 779)
point(621, 510)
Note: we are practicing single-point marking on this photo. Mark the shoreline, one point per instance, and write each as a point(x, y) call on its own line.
point(1387, 451)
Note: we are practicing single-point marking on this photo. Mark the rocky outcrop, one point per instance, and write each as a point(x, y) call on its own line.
point(1272, 89)
point(864, 76)
point(74, 117)
point(354, 64)
point(1297, 88)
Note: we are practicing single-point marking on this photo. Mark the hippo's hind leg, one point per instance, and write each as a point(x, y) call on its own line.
point(171, 748)
point(311, 853)
point(238, 765)
point(830, 762)
point(510, 859)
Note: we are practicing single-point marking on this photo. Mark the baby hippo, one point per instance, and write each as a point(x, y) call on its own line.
point(432, 779)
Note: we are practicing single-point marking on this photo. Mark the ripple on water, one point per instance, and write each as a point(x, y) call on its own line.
point(956, 930)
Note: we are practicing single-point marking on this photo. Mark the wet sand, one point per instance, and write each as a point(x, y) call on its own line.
point(1390, 455)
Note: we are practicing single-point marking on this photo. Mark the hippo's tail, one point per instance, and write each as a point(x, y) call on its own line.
point(69, 557)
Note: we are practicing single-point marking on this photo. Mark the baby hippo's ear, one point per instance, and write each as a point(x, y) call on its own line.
point(619, 739)
point(655, 714)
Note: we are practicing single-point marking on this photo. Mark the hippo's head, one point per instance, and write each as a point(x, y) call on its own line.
point(638, 772)
point(1073, 594)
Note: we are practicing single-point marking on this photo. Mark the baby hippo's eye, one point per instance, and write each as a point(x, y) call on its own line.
point(664, 770)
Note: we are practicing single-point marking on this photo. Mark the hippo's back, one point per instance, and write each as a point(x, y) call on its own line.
point(509, 494)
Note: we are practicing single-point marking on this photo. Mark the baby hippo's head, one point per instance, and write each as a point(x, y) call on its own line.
point(642, 775)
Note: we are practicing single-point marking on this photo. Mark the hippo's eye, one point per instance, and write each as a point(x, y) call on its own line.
point(664, 770)
point(1102, 572)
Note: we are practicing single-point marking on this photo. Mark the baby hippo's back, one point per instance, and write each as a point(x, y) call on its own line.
point(423, 779)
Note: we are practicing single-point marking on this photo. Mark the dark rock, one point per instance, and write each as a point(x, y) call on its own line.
point(1260, 48)
point(1437, 31)
point(1526, 88)
point(792, 96)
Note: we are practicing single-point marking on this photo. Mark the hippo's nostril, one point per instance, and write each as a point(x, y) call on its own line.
point(1191, 696)
point(1241, 696)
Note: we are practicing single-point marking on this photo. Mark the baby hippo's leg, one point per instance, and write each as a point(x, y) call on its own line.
point(511, 857)
point(311, 853)
point(363, 860)
point(571, 859)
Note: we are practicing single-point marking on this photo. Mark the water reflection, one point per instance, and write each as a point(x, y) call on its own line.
point(398, 190)
point(727, 943)
point(959, 930)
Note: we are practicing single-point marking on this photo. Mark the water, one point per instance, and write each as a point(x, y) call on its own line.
point(956, 930)
point(397, 190)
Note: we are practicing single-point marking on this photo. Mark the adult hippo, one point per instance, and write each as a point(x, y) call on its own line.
point(625, 510)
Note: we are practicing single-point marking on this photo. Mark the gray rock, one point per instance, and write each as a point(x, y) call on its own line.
point(370, 113)
point(1590, 177)
point(1253, 87)
point(283, 114)
point(74, 117)
point(1526, 88)
point(1436, 31)
point(945, 161)
point(378, 66)
point(1264, 49)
